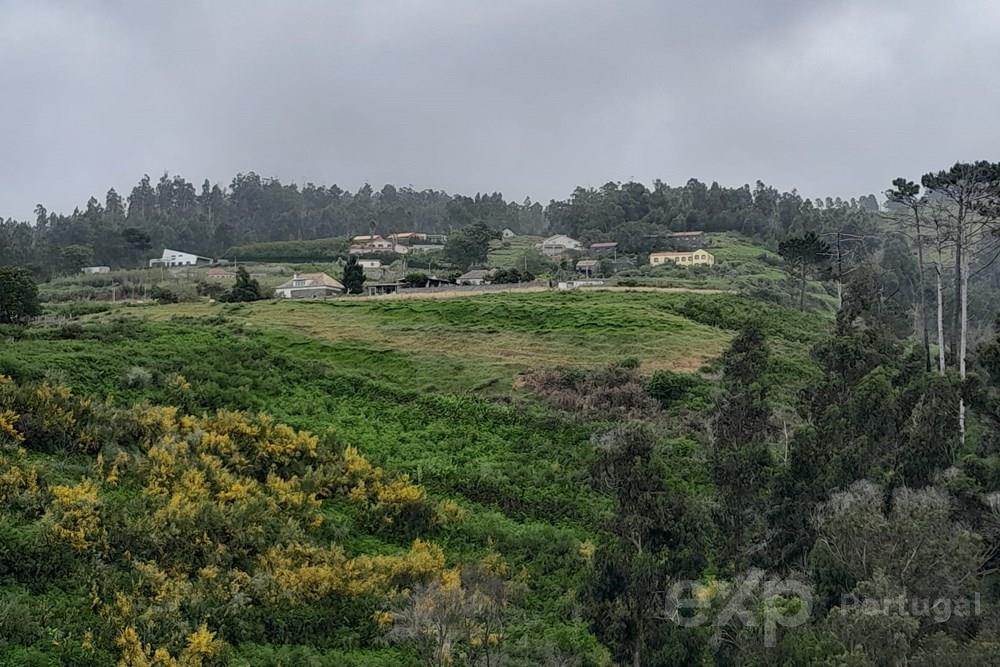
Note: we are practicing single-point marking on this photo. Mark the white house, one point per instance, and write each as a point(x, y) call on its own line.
point(370, 263)
point(376, 244)
point(177, 258)
point(558, 244)
point(507, 233)
point(476, 277)
point(96, 269)
point(426, 247)
point(309, 286)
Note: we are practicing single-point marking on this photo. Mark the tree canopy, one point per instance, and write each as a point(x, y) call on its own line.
point(18, 295)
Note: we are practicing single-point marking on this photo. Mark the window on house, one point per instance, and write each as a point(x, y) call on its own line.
point(298, 283)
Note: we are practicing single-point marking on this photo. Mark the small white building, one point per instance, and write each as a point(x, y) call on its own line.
point(376, 244)
point(309, 286)
point(96, 269)
point(370, 263)
point(559, 244)
point(426, 247)
point(507, 233)
point(573, 284)
point(476, 277)
point(171, 258)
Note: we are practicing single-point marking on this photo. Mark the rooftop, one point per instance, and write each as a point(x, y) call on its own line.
point(476, 274)
point(684, 253)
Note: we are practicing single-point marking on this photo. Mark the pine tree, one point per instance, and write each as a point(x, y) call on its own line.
point(739, 458)
point(657, 538)
point(245, 289)
point(354, 276)
point(18, 295)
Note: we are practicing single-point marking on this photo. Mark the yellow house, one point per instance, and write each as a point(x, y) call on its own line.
point(695, 257)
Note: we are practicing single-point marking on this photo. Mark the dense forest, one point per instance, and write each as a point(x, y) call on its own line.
point(122, 231)
point(173, 212)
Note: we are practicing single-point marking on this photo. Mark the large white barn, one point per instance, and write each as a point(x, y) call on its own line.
point(177, 258)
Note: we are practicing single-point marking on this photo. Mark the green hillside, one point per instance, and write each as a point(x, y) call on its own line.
point(430, 388)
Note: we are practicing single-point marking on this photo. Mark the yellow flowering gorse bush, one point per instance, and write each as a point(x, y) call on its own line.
point(195, 512)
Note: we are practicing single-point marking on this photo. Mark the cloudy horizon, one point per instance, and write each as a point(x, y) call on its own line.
point(831, 98)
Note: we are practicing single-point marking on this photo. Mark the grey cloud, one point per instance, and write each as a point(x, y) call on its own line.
point(530, 98)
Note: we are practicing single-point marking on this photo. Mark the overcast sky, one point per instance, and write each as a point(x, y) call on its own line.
point(529, 98)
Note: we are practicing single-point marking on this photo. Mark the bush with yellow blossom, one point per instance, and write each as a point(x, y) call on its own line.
point(204, 527)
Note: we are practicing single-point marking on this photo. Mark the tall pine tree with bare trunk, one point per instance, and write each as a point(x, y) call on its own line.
point(966, 203)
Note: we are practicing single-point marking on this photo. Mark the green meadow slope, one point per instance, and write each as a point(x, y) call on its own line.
point(429, 387)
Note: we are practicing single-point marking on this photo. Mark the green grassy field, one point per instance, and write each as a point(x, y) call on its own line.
point(428, 387)
point(424, 386)
point(507, 253)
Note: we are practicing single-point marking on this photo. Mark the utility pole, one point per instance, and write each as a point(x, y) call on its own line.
point(840, 273)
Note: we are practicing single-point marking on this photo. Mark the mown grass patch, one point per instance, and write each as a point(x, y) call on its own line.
point(499, 335)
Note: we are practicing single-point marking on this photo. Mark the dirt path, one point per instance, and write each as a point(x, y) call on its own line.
point(458, 293)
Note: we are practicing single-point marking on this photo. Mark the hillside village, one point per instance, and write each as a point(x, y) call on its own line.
point(405, 261)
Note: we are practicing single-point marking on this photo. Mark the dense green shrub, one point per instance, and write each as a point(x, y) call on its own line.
point(78, 308)
point(163, 295)
point(670, 388)
point(415, 279)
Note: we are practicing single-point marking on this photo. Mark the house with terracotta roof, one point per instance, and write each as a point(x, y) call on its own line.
point(309, 286)
point(219, 273)
point(365, 245)
point(693, 258)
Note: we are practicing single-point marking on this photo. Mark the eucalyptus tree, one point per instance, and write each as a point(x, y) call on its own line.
point(966, 205)
point(907, 194)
